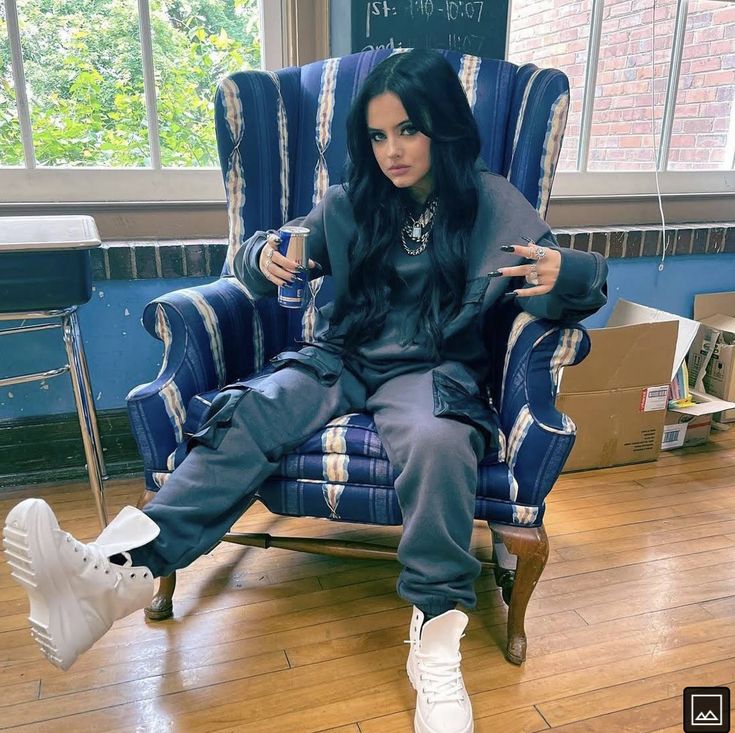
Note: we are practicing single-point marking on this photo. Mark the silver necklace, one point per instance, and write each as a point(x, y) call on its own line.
point(418, 230)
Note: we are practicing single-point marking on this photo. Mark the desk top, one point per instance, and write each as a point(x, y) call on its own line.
point(43, 233)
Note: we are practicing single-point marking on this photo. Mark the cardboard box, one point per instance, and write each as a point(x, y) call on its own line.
point(683, 430)
point(617, 396)
point(713, 353)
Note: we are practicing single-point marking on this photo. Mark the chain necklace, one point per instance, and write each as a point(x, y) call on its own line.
point(418, 230)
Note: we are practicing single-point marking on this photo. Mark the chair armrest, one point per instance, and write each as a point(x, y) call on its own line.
point(212, 335)
point(539, 437)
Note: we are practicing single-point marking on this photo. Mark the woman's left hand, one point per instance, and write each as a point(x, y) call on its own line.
point(541, 273)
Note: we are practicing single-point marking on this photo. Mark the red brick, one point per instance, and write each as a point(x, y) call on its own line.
point(707, 64)
point(722, 48)
point(699, 19)
point(697, 95)
point(717, 109)
point(711, 141)
point(725, 15)
point(695, 125)
point(721, 124)
point(631, 141)
point(718, 78)
point(683, 141)
point(712, 33)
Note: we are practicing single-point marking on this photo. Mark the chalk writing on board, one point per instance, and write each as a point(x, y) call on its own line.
point(451, 10)
point(468, 26)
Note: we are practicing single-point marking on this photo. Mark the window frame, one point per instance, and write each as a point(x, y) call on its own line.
point(68, 185)
point(126, 186)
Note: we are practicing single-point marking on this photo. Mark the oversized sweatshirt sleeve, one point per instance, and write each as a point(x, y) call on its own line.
point(580, 290)
point(247, 257)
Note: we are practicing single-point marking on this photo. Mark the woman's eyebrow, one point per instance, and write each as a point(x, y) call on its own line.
point(400, 124)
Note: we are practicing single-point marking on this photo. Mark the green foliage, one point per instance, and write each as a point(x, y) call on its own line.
point(82, 61)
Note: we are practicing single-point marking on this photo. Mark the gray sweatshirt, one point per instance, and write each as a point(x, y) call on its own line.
point(504, 216)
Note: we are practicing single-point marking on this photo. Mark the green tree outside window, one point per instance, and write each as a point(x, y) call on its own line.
point(84, 74)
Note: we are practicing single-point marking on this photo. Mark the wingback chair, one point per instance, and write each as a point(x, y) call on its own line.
point(281, 139)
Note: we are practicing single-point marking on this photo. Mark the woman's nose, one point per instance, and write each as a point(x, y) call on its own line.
point(393, 148)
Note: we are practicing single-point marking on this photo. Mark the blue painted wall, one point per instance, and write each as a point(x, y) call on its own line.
point(121, 354)
point(671, 290)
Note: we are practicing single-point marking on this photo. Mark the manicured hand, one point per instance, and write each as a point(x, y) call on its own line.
point(541, 272)
point(277, 268)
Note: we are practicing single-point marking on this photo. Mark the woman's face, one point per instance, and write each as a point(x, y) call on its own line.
point(402, 152)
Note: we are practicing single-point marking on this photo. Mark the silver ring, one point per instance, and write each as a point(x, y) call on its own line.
point(269, 254)
point(532, 277)
point(267, 266)
point(539, 253)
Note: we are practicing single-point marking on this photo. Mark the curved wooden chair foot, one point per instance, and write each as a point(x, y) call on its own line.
point(162, 605)
point(515, 652)
point(531, 546)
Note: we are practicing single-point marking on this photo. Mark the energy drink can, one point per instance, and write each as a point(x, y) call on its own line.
point(293, 245)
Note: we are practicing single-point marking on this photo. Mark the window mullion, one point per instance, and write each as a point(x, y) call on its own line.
point(590, 81)
point(19, 80)
point(149, 82)
point(672, 87)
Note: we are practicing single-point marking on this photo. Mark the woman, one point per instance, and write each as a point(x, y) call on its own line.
point(420, 243)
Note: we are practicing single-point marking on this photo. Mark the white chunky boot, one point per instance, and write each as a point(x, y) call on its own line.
point(75, 592)
point(442, 702)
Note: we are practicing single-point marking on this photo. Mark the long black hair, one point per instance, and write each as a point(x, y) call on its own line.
point(437, 106)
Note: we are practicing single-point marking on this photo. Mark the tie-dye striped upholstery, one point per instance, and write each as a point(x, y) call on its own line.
point(281, 141)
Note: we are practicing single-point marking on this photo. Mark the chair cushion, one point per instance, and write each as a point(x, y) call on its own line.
point(343, 472)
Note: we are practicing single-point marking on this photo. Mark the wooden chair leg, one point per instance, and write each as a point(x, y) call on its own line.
point(531, 545)
point(162, 605)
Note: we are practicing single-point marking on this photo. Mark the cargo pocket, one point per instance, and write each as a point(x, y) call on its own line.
point(459, 398)
point(218, 419)
point(324, 365)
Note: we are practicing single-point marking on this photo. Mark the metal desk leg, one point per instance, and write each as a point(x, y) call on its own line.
point(85, 410)
point(84, 374)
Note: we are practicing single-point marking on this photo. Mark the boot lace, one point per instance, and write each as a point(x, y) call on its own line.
point(441, 680)
point(95, 556)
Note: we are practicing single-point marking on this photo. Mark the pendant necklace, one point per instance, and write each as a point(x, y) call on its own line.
point(418, 230)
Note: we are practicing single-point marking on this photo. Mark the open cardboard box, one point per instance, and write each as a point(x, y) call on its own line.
point(618, 395)
point(712, 357)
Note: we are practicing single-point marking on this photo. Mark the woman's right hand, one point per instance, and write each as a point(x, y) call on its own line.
point(277, 268)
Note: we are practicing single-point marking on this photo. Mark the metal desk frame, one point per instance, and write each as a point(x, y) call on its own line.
point(79, 373)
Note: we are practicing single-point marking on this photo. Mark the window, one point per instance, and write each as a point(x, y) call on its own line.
point(606, 49)
point(120, 92)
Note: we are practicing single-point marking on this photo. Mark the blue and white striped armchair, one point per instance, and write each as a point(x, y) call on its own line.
point(281, 139)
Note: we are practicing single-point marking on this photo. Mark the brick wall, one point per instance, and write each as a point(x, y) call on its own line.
point(556, 33)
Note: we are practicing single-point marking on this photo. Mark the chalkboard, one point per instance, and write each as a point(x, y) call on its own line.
point(479, 27)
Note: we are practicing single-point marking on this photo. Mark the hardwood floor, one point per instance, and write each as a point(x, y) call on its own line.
point(636, 603)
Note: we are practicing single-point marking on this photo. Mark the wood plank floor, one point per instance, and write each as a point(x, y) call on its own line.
point(636, 603)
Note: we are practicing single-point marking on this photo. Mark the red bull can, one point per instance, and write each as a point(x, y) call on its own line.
point(293, 246)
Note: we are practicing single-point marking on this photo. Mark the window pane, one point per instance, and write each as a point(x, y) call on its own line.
point(195, 44)
point(555, 34)
point(11, 146)
point(703, 133)
point(621, 136)
point(85, 83)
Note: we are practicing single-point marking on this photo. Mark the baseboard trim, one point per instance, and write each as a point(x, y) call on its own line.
point(48, 448)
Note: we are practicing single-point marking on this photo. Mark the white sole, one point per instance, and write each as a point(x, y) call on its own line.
point(45, 582)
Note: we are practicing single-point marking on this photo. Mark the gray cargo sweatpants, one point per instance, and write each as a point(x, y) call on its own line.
point(252, 424)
